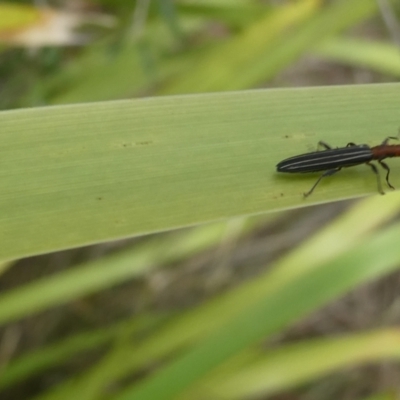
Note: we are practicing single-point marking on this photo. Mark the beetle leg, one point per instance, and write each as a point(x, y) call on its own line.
point(323, 144)
point(385, 166)
point(326, 173)
point(378, 178)
point(385, 142)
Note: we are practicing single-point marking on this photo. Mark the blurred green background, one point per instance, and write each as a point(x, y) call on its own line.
point(301, 304)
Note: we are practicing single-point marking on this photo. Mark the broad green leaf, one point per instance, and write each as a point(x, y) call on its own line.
point(81, 174)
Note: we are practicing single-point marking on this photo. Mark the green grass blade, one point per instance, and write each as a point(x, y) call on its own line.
point(377, 56)
point(389, 394)
point(267, 373)
point(75, 175)
point(224, 66)
point(237, 15)
point(54, 354)
point(269, 45)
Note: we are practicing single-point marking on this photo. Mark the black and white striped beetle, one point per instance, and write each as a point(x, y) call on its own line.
point(333, 160)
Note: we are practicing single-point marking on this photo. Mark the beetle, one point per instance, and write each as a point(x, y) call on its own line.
point(332, 160)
